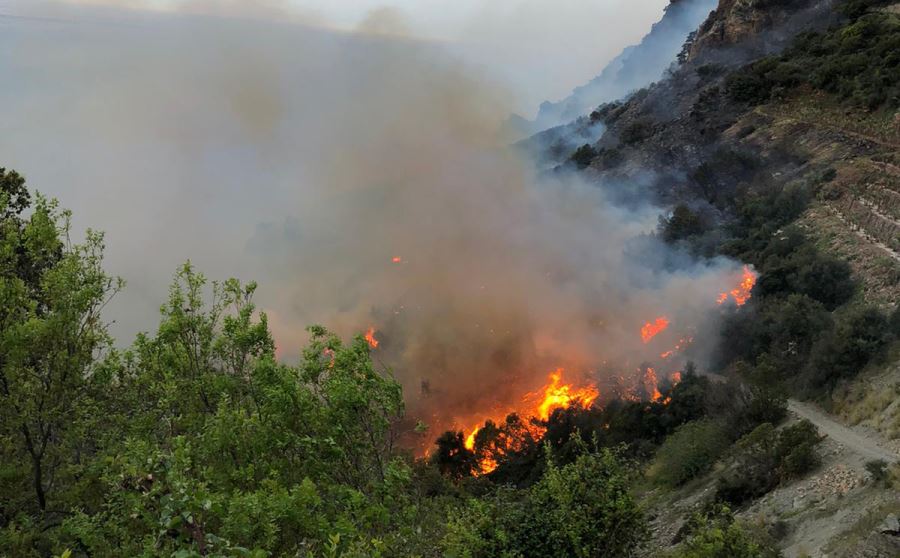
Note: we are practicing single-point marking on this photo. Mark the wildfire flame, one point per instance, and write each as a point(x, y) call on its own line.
point(540, 405)
point(652, 329)
point(742, 293)
point(510, 428)
point(558, 396)
point(370, 338)
point(651, 385)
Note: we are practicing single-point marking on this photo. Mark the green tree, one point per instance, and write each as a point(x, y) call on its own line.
point(582, 509)
point(51, 293)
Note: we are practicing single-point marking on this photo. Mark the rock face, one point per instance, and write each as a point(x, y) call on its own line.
point(735, 21)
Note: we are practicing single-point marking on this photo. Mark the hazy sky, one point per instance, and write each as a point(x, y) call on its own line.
point(539, 49)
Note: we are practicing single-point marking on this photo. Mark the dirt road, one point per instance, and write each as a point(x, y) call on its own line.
point(864, 446)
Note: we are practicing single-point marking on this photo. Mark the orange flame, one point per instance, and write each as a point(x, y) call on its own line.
point(651, 385)
point(397, 259)
point(563, 397)
point(370, 338)
point(652, 329)
point(742, 293)
point(554, 395)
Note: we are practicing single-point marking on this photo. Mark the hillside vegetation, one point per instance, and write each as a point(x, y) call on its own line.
point(195, 440)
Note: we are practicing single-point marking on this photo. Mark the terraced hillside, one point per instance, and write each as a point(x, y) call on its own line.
point(779, 137)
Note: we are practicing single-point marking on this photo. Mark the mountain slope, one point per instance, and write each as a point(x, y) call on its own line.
point(779, 133)
point(635, 67)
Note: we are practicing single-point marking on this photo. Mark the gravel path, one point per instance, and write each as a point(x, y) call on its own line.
point(865, 446)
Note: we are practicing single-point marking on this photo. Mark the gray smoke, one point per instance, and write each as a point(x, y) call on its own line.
point(308, 160)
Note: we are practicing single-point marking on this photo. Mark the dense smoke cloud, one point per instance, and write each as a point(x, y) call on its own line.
point(309, 160)
point(544, 49)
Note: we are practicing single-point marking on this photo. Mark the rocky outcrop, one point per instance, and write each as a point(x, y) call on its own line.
point(739, 22)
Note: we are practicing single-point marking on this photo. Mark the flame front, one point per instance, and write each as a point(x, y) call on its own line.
point(536, 405)
point(370, 338)
point(495, 435)
point(651, 385)
point(742, 293)
point(563, 396)
point(652, 329)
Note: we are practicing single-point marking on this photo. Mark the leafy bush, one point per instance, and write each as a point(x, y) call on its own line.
point(580, 509)
point(583, 156)
point(681, 224)
point(859, 334)
point(716, 534)
point(859, 62)
point(878, 468)
point(796, 266)
point(689, 452)
point(636, 131)
point(765, 458)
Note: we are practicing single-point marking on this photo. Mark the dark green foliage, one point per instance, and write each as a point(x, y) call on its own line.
point(636, 131)
point(608, 158)
point(608, 112)
point(682, 223)
point(582, 509)
point(689, 452)
point(859, 62)
point(583, 156)
point(803, 269)
point(766, 457)
point(878, 468)
point(859, 335)
point(716, 176)
point(707, 71)
point(716, 534)
point(856, 8)
point(51, 294)
point(452, 457)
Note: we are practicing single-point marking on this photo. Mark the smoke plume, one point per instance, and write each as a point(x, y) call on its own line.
point(364, 181)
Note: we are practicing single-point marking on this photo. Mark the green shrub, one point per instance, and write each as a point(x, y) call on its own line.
point(682, 223)
point(636, 132)
point(581, 509)
point(859, 334)
point(689, 452)
point(717, 535)
point(858, 62)
point(765, 458)
point(583, 156)
point(878, 468)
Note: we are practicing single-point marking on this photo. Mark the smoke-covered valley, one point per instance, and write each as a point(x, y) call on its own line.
point(364, 181)
point(427, 314)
